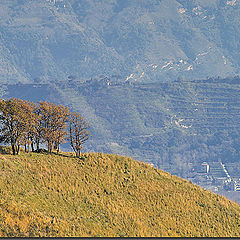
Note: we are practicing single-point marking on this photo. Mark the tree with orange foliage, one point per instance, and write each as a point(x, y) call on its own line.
point(30, 120)
point(54, 120)
point(26, 123)
point(12, 120)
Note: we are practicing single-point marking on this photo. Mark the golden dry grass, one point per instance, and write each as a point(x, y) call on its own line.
point(106, 195)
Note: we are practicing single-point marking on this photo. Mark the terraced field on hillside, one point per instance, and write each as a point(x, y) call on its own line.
point(215, 106)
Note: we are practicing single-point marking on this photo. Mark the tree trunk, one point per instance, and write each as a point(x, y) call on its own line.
point(28, 147)
point(38, 145)
point(13, 149)
point(49, 147)
point(32, 146)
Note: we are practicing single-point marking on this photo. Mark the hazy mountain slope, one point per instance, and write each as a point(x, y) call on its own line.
point(106, 195)
point(167, 123)
point(144, 41)
point(162, 122)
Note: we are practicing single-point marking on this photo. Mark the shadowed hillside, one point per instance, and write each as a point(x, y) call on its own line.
point(105, 195)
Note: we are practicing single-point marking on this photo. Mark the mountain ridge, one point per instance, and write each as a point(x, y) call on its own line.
point(140, 41)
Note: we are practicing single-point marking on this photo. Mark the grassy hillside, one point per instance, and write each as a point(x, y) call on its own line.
point(105, 195)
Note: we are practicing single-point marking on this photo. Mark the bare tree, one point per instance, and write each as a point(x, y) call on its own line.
point(78, 133)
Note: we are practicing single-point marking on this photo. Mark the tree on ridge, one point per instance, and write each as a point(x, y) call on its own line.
point(24, 123)
point(78, 132)
point(54, 119)
point(12, 123)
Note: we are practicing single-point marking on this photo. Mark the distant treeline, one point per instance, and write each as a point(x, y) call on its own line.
point(28, 124)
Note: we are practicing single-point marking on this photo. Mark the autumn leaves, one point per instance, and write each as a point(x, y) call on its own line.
point(24, 123)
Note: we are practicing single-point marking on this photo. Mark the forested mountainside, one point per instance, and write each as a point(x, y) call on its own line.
point(138, 40)
point(104, 195)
